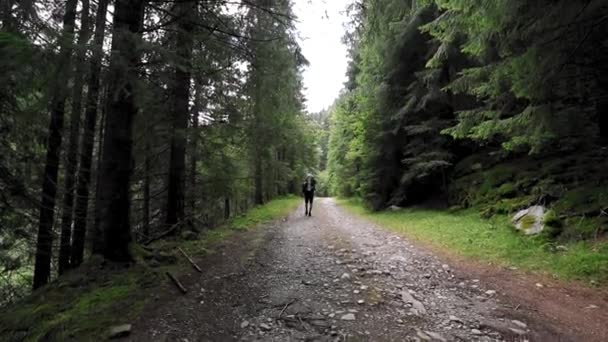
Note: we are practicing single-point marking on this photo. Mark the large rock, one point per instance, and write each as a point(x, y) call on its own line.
point(119, 331)
point(530, 220)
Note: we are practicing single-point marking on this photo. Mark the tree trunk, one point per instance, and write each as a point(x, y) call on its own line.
point(199, 105)
point(44, 246)
point(146, 190)
point(259, 186)
point(113, 197)
point(181, 96)
point(72, 155)
point(97, 239)
point(193, 161)
point(226, 208)
point(88, 138)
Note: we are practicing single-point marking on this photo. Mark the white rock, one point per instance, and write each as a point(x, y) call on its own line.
point(490, 292)
point(519, 323)
point(245, 324)
point(423, 336)
point(265, 326)
point(360, 302)
point(119, 331)
point(345, 276)
point(455, 319)
point(476, 332)
point(436, 336)
point(348, 317)
point(518, 331)
point(534, 214)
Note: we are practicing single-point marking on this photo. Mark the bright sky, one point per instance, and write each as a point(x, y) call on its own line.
point(320, 26)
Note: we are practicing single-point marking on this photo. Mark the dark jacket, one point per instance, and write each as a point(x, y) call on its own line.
point(313, 184)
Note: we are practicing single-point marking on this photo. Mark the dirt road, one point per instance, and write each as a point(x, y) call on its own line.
point(335, 277)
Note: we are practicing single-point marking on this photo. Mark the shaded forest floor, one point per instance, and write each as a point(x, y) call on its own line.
point(85, 303)
point(336, 277)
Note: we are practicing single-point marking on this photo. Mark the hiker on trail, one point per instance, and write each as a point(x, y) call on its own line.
point(308, 189)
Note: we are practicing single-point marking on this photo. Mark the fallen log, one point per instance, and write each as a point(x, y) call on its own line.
point(190, 260)
point(169, 231)
point(177, 283)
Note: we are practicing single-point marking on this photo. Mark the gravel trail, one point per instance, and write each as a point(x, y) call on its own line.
point(334, 277)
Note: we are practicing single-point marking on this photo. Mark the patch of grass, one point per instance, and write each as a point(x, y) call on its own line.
point(466, 234)
point(265, 213)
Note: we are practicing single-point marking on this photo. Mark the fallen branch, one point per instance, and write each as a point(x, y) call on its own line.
point(190, 260)
point(162, 235)
point(177, 283)
point(285, 307)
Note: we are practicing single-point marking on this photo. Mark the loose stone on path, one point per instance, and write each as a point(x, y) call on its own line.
point(348, 317)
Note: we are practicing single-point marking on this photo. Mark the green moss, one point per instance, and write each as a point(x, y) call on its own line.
point(505, 206)
point(582, 228)
point(527, 221)
point(552, 220)
point(507, 190)
point(553, 225)
point(583, 200)
point(72, 308)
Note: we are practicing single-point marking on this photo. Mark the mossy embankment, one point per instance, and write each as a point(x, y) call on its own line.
point(465, 233)
point(572, 186)
point(83, 304)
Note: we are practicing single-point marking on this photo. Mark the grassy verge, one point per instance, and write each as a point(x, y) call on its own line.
point(272, 210)
point(465, 234)
point(86, 302)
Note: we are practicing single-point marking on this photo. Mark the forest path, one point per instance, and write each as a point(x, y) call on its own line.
point(335, 277)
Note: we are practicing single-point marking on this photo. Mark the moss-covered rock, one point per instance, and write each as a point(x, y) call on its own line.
point(530, 220)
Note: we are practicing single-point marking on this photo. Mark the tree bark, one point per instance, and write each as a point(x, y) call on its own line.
point(113, 198)
point(226, 208)
point(181, 95)
point(88, 138)
point(44, 245)
point(146, 189)
point(72, 155)
point(193, 161)
point(199, 104)
point(259, 185)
